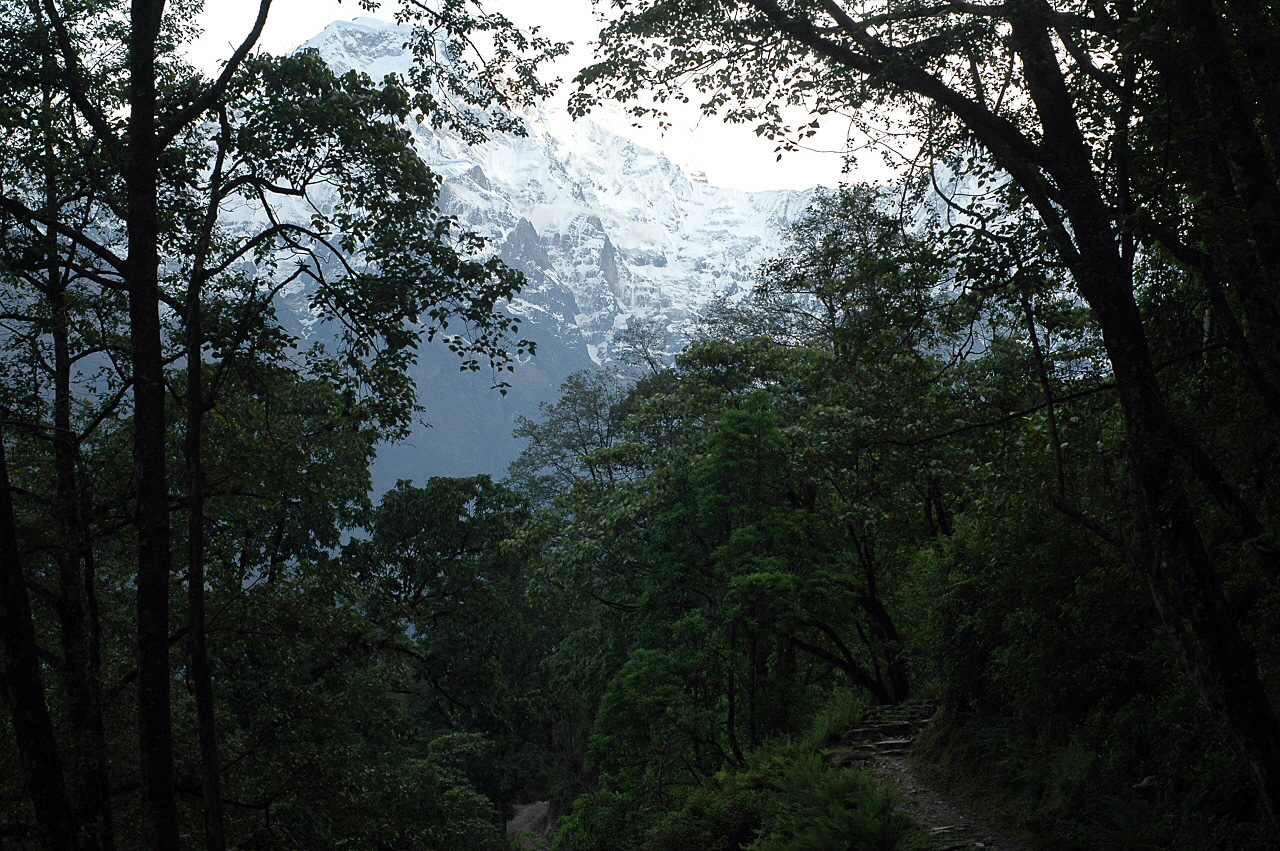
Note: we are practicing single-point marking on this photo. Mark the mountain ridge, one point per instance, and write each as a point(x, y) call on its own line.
point(608, 233)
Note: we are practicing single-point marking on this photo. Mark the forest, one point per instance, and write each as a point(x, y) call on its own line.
point(996, 441)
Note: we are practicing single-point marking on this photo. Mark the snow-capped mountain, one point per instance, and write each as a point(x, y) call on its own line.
point(606, 232)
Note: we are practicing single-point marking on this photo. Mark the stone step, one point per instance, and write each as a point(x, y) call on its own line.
point(893, 727)
point(865, 751)
point(953, 837)
point(906, 712)
point(888, 728)
point(846, 759)
point(894, 745)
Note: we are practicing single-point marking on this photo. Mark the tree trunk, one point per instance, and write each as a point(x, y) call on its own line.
point(87, 747)
point(859, 676)
point(1178, 567)
point(1241, 121)
point(1184, 585)
point(24, 689)
point(197, 640)
point(85, 757)
point(155, 734)
point(888, 645)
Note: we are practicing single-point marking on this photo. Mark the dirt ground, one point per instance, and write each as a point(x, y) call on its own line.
point(933, 812)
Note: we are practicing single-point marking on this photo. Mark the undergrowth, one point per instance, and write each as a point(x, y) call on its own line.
point(1077, 795)
point(784, 798)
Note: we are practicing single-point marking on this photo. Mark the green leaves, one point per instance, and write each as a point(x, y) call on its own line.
point(473, 68)
point(328, 163)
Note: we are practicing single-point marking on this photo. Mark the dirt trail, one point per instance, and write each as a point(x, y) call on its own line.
point(530, 825)
point(952, 828)
point(880, 744)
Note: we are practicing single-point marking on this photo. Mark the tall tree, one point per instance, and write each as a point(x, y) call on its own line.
point(24, 689)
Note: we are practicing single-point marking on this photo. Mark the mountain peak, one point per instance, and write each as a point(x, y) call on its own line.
point(376, 47)
point(629, 234)
point(608, 233)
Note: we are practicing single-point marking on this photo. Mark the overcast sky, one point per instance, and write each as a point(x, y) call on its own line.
point(731, 155)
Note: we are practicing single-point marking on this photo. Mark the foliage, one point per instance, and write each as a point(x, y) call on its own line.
point(149, 219)
point(576, 440)
point(956, 443)
point(916, 465)
point(833, 809)
point(1084, 135)
point(782, 797)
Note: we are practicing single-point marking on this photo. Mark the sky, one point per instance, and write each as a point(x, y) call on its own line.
point(730, 155)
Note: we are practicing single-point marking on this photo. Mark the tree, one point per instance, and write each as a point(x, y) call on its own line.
point(164, 150)
point(725, 560)
point(292, 130)
point(370, 692)
point(1068, 102)
point(574, 441)
point(854, 281)
point(24, 689)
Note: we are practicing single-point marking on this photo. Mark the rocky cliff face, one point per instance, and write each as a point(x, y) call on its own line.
point(607, 233)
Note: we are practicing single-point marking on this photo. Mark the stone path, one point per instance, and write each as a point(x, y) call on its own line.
point(530, 825)
point(880, 744)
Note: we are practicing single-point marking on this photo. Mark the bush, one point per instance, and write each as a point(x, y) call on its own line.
point(824, 809)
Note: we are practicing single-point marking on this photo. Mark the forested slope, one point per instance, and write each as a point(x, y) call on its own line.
point(882, 481)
